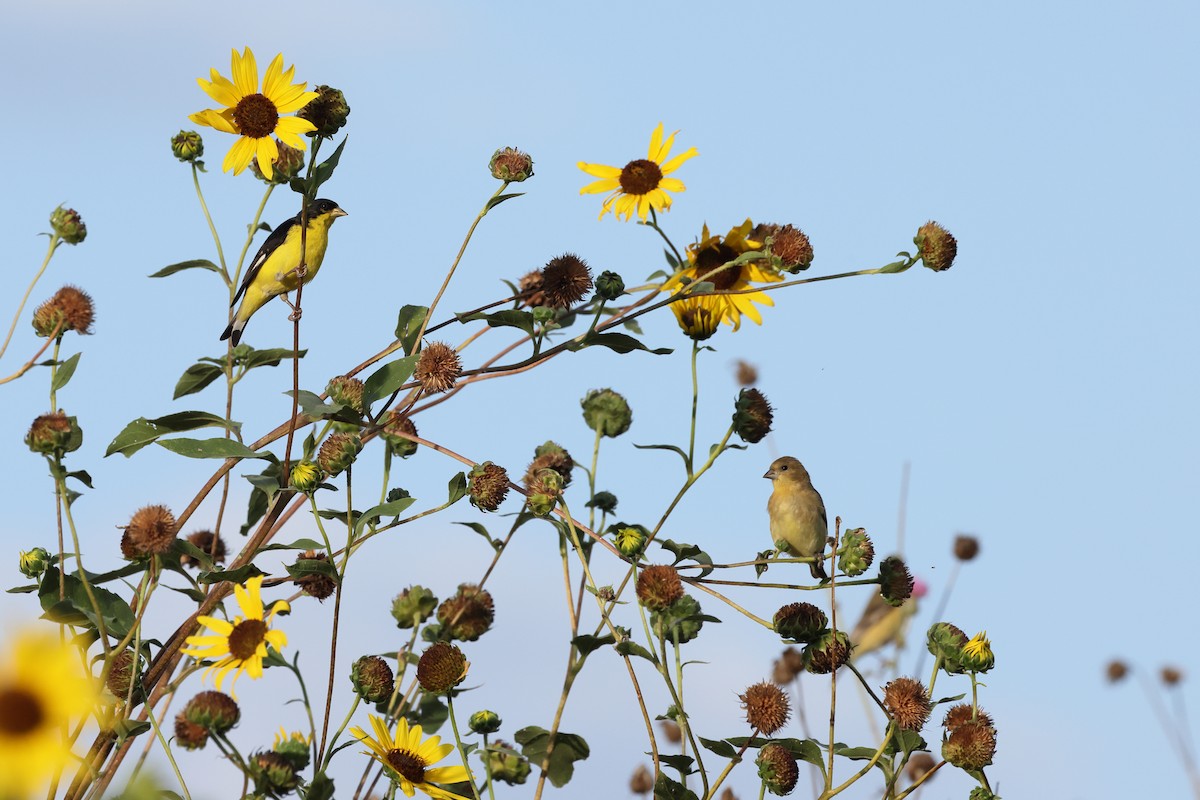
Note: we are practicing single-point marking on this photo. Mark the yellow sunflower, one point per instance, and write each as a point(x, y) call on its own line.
point(408, 759)
point(253, 115)
point(239, 646)
point(713, 251)
point(642, 184)
point(44, 693)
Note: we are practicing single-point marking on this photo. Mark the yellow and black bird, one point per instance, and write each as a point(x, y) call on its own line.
point(797, 512)
point(272, 272)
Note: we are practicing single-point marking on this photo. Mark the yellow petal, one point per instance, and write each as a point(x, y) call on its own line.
point(288, 128)
point(238, 158)
point(674, 163)
point(272, 81)
point(293, 99)
point(599, 170)
point(604, 185)
point(250, 598)
point(671, 184)
point(655, 142)
point(220, 90)
point(217, 625)
point(245, 72)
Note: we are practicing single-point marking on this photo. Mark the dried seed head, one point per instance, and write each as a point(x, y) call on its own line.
point(53, 433)
point(488, 484)
point(151, 531)
point(188, 734)
point(918, 765)
point(441, 667)
point(215, 712)
point(468, 614)
point(70, 309)
point(208, 543)
point(970, 746)
point(530, 288)
point(671, 731)
point(907, 703)
point(121, 676)
point(788, 243)
point(273, 771)
point(285, 166)
point(752, 416)
point(659, 587)
point(642, 781)
point(801, 622)
point(347, 391)
point(313, 583)
point(68, 225)
point(745, 373)
point(372, 679)
point(394, 425)
point(828, 653)
point(1116, 670)
point(936, 247)
point(438, 368)
point(777, 768)
point(565, 281)
point(766, 707)
point(1171, 676)
point(965, 547)
point(963, 713)
point(550, 456)
point(338, 452)
point(510, 164)
point(895, 581)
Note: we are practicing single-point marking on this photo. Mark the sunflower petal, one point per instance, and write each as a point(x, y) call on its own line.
point(655, 143)
point(245, 72)
point(603, 185)
point(675, 162)
point(599, 170)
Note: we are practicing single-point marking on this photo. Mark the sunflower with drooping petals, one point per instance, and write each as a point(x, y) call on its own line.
point(641, 184)
point(408, 760)
point(255, 116)
point(239, 646)
point(44, 692)
point(713, 251)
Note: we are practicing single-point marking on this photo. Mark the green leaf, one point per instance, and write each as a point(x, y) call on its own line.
point(76, 607)
point(458, 488)
point(670, 447)
point(195, 378)
point(312, 406)
point(719, 746)
point(759, 569)
point(82, 476)
point(239, 575)
point(391, 509)
point(586, 643)
point(64, 372)
point(388, 378)
point(408, 325)
point(688, 552)
point(431, 714)
point(498, 199)
point(321, 173)
point(628, 647)
point(667, 789)
point(894, 267)
point(269, 357)
point(568, 748)
point(211, 448)
point(906, 742)
point(142, 431)
point(509, 318)
point(496, 544)
point(617, 342)
point(129, 728)
point(299, 544)
point(679, 762)
point(305, 567)
point(197, 263)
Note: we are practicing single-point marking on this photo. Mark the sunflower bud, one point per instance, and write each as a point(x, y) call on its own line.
point(395, 424)
point(631, 540)
point(565, 280)
point(273, 772)
point(856, 552)
point(468, 614)
point(946, 642)
point(506, 764)
point(438, 368)
point(306, 476)
point(151, 531)
point(372, 679)
point(327, 111)
point(659, 586)
point(800, 622)
point(68, 225)
point(54, 433)
point(122, 679)
point(295, 747)
point(510, 164)
point(777, 768)
point(907, 703)
point(34, 562)
point(606, 412)
point(215, 712)
point(766, 707)
point(936, 247)
point(441, 667)
point(482, 722)
point(347, 391)
point(679, 622)
point(338, 452)
point(413, 606)
point(609, 285)
point(285, 166)
point(752, 416)
point(313, 582)
point(698, 317)
point(824, 655)
point(895, 582)
point(605, 502)
point(977, 653)
point(488, 484)
point(188, 147)
point(980, 793)
point(70, 309)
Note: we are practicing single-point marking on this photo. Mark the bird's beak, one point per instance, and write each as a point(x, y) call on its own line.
point(770, 475)
point(338, 212)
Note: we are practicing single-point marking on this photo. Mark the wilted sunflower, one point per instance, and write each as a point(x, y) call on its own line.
point(641, 184)
point(711, 252)
point(239, 646)
point(255, 116)
point(408, 760)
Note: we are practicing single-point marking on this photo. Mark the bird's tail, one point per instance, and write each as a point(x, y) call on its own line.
point(234, 331)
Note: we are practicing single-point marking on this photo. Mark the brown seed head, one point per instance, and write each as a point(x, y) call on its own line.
point(746, 373)
point(74, 306)
point(216, 712)
point(315, 584)
point(936, 246)
point(394, 425)
point(372, 678)
point(766, 707)
point(328, 111)
point(565, 281)
point(347, 391)
point(965, 547)
point(151, 531)
point(919, 764)
point(468, 614)
point(530, 288)
point(895, 581)
point(828, 653)
point(1171, 676)
point(550, 456)
point(659, 586)
point(441, 667)
point(488, 486)
point(802, 622)
point(50, 433)
point(438, 368)
point(907, 703)
point(510, 164)
point(788, 243)
point(962, 714)
point(120, 675)
point(1116, 670)
point(777, 768)
point(206, 542)
point(642, 781)
point(970, 746)
point(752, 416)
point(188, 734)
point(338, 452)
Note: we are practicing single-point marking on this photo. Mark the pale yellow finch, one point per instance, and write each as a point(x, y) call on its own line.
point(797, 512)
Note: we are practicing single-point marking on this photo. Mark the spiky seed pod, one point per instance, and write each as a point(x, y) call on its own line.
point(70, 309)
point(121, 676)
point(338, 452)
point(659, 587)
point(936, 247)
point(970, 746)
point(151, 531)
point(801, 622)
point(372, 679)
point(752, 416)
point(777, 768)
point(895, 581)
point(788, 666)
point(68, 225)
point(273, 772)
point(907, 702)
point(285, 166)
point(551, 456)
point(606, 412)
point(395, 424)
point(216, 712)
point(856, 553)
point(565, 281)
point(824, 655)
point(530, 288)
point(963, 713)
point(328, 111)
point(441, 667)
point(206, 542)
point(510, 164)
point(766, 706)
point(54, 433)
point(347, 391)
point(488, 484)
point(438, 368)
point(315, 584)
point(413, 606)
point(468, 614)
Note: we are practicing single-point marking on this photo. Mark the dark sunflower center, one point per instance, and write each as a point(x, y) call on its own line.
point(245, 638)
point(640, 177)
point(408, 764)
point(20, 712)
point(714, 256)
point(255, 116)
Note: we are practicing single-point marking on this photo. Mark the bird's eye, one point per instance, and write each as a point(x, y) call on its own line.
point(784, 467)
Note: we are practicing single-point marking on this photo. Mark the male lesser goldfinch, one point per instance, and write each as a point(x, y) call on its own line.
point(272, 272)
point(797, 512)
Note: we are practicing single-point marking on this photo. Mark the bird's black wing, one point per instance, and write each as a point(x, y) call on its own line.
point(277, 237)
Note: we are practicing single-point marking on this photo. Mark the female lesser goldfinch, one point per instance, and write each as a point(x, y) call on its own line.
point(881, 623)
point(797, 512)
point(272, 272)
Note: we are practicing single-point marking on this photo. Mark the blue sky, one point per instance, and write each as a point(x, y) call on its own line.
point(1044, 389)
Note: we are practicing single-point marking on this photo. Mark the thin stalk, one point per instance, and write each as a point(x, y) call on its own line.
point(458, 741)
point(55, 240)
